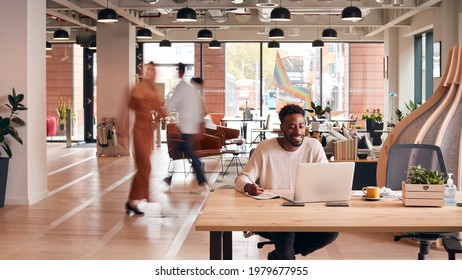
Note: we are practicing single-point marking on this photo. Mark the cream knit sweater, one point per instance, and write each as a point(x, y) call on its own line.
point(275, 167)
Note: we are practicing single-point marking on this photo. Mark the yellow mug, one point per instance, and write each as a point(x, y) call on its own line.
point(371, 192)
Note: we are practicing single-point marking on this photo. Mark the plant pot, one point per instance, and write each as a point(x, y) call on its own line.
point(62, 124)
point(369, 125)
point(315, 126)
point(3, 176)
point(376, 136)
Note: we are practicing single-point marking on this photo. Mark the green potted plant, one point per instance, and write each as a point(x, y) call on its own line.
point(424, 187)
point(62, 108)
point(7, 128)
point(317, 110)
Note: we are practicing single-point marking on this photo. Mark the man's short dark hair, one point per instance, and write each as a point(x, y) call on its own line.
point(289, 110)
point(181, 67)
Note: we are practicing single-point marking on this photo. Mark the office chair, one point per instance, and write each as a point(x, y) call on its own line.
point(452, 246)
point(401, 157)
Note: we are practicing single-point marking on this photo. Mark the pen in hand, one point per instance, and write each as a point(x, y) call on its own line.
point(253, 189)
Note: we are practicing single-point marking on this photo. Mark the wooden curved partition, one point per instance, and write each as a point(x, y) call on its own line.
point(438, 121)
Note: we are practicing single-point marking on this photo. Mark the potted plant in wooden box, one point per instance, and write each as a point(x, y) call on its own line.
point(7, 128)
point(424, 187)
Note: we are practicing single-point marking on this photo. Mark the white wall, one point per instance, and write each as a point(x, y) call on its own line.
point(23, 67)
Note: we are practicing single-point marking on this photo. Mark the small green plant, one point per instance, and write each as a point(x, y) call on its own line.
point(317, 110)
point(6, 124)
point(63, 105)
point(419, 175)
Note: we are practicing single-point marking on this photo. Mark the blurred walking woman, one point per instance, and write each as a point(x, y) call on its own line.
point(143, 100)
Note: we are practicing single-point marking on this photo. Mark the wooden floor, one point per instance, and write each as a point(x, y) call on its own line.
point(83, 217)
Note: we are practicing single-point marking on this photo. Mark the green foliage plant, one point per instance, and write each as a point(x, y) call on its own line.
point(7, 124)
point(419, 175)
point(317, 110)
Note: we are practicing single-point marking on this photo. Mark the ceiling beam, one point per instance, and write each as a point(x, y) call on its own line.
point(409, 14)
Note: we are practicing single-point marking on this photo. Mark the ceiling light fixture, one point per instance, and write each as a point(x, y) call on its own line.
point(61, 34)
point(352, 13)
point(186, 14)
point(280, 14)
point(214, 45)
point(92, 45)
point(107, 15)
point(273, 45)
point(205, 34)
point(329, 33)
point(49, 46)
point(165, 43)
point(317, 43)
point(143, 33)
point(276, 33)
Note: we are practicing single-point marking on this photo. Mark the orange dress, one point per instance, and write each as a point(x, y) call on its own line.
point(143, 132)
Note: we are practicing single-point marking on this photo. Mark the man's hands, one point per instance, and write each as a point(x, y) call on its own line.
point(253, 189)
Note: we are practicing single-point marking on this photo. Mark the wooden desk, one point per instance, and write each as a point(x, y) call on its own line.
point(227, 211)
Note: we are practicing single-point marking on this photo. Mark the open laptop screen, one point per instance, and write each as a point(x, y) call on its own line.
point(323, 182)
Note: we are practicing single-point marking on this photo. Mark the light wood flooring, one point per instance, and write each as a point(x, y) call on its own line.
point(84, 218)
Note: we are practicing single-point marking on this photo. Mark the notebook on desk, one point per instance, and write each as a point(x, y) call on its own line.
point(323, 182)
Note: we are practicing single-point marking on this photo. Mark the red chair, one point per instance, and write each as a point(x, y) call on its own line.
point(51, 126)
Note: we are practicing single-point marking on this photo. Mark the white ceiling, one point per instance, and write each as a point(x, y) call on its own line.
point(239, 20)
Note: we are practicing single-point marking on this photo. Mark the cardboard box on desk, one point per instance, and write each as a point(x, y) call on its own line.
point(423, 195)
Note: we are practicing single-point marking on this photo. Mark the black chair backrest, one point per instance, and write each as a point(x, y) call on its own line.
point(402, 156)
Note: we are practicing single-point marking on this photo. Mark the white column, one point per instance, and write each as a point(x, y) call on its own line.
point(391, 84)
point(23, 30)
point(116, 71)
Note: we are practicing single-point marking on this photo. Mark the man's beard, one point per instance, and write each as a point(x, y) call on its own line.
point(296, 142)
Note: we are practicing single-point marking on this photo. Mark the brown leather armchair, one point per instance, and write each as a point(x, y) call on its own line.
point(206, 145)
point(225, 133)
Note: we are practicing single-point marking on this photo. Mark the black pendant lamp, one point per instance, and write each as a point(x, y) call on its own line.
point(329, 33)
point(108, 15)
point(352, 13)
point(49, 46)
point(276, 33)
point(317, 44)
point(204, 34)
point(280, 14)
point(143, 33)
point(186, 15)
point(273, 45)
point(214, 45)
point(61, 34)
point(92, 45)
point(165, 43)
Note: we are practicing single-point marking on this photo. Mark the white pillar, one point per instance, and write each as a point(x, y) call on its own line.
point(116, 71)
point(391, 85)
point(23, 29)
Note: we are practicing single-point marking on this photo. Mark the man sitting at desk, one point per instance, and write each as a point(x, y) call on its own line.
point(273, 164)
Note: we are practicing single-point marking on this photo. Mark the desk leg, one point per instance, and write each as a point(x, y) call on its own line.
point(221, 242)
point(215, 245)
point(228, 245)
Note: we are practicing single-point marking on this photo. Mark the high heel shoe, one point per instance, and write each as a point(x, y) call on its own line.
point(135, 210)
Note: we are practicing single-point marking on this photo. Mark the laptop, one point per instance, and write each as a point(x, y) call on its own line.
point(323, 182)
